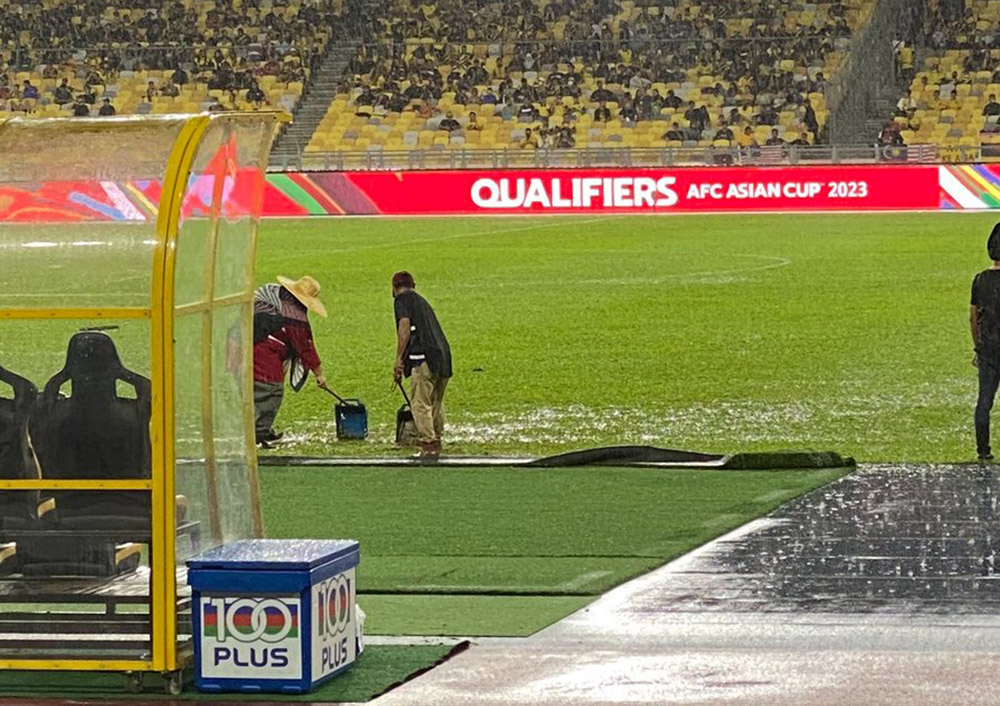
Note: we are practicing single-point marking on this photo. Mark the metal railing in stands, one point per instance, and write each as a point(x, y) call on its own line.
point(366, 160)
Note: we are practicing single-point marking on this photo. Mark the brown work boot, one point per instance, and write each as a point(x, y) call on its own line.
point(429, 452)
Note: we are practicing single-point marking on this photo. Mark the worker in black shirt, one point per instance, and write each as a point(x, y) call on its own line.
point(423, 354)
point(984, 317)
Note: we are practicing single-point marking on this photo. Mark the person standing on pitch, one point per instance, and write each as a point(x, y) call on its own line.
point(423, 353)
point(283, 340)
point(984, 317)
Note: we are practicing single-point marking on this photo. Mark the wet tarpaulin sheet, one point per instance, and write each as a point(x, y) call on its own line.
point(626, 456)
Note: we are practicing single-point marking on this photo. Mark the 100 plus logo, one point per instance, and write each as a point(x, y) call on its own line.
point(335, 641)
point(243, 635)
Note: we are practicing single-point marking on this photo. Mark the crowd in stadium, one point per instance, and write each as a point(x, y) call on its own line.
point(951, 97)
point(215, 55)
point(712, 69)
point(511, 73)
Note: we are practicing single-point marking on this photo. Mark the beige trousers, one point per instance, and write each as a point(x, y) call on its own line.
point(427, 398)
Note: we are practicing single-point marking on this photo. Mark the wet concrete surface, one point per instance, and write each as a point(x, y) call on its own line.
point(878, 589)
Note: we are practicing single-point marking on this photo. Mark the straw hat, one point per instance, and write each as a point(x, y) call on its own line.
point(306, 290)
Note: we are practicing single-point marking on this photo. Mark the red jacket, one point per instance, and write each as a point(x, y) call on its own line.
point(270, 354)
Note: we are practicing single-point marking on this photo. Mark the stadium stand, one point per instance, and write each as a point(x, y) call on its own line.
point(67, 57)
point(951, 101)
point(598, 73)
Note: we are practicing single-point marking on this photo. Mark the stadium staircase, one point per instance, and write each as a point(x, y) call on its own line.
point(316, 99)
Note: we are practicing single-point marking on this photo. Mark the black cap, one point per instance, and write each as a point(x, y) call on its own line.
point(993, 244)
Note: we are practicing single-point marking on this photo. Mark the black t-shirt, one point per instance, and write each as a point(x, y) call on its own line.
point(986, 298)
point(427, 340)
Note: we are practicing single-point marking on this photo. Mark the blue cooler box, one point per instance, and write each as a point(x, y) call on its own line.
point(274, 615)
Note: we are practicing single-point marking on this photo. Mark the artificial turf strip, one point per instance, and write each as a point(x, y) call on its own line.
point(495, 512)
point(494, 551)
point(465, 616)
point(503, 575)
point(378, 669)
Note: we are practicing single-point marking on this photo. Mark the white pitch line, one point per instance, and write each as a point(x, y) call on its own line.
point(409, 640)
point(582, 580)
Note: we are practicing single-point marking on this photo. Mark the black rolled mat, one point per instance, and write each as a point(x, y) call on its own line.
point(618, 455)
point(641, 456)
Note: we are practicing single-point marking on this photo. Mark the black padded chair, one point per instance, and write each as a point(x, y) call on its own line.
point(18, 508)
point(93, 434)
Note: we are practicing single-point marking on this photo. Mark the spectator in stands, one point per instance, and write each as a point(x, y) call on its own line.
point(93, 78)
point(747, 138)
point(565, 140)
point(601, 94)
point(802, 140)
point(527, 113)
point(674, 134)
point(774, 139)
point(488, 97)
point(89, 95)
point(449, 123)
point(906, 105)
point(80, 108)
point(809, 118)
point(529, 141)
point(63, 93)
point(992, 107)
point(724, 132)
point(697, 117)
point(473, 123)
point(179, 76)
point(29, 92)
point(423, 109)
point(525, 93)
point(891, 135)
point(169, 89)
point(106, 109)
point(150, 92)
point(766, 115)
point(672, 101)
point(628, 113)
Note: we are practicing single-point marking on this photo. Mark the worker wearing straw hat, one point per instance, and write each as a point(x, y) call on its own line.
point(283, 341)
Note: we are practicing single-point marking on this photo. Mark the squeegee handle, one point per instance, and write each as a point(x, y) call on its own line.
point(339, 398)
point(405, 396)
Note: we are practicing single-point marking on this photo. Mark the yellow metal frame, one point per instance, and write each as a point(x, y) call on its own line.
point(161, 313)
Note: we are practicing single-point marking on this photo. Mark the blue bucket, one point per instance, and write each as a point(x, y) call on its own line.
point(352, 420)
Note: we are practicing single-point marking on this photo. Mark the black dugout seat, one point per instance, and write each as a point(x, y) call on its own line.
point(18, 508)
point(92, 434)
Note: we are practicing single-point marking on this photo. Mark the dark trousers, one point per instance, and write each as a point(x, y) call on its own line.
point(989, 379)
point(267, 397)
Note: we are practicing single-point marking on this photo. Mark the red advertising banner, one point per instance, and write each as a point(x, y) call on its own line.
point(568, 191)
point(519, 192)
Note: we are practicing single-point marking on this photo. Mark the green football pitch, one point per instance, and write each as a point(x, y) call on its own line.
point(717, 333)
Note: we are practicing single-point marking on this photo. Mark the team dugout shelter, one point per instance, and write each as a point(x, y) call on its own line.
point(127, 250)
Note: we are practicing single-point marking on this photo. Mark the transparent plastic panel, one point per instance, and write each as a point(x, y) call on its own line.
point(244, 182)
point(232, 405)
point(191, 477)
point(38, 349)
point(195, 246)
point(78, 206)
point(74, 575)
